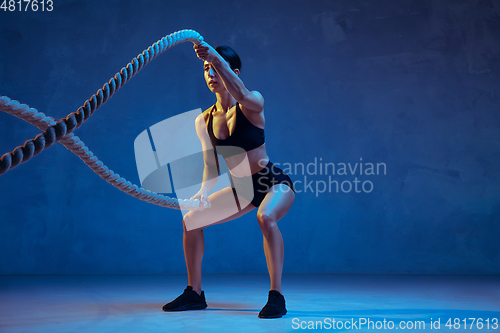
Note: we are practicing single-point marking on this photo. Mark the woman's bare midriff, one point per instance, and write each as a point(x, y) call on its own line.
point(254, 161)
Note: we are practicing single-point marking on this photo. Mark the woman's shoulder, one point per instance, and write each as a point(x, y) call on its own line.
point(252, 103)
point(206, 113)
point(202, 118)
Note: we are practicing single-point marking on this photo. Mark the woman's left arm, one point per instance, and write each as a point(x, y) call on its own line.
point(251, 100)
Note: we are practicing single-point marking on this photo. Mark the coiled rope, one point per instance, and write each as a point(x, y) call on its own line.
point(62, 130)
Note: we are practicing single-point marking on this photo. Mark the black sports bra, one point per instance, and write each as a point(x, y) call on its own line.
point(245, 135)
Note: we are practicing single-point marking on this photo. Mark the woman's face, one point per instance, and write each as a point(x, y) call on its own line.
point(212, 78)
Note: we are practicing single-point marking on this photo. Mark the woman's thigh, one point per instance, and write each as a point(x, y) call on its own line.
point(223, 209)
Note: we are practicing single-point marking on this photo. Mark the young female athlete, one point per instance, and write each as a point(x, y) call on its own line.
point(235, 120)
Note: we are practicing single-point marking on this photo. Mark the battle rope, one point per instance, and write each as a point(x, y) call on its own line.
point(61, 131)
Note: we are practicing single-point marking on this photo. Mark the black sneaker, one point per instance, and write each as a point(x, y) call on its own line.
point(189, 300)
point(275, 307)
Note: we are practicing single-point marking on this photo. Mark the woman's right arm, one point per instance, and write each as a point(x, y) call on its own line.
point(210, 171)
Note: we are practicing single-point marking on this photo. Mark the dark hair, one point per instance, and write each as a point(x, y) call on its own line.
point(230, 56)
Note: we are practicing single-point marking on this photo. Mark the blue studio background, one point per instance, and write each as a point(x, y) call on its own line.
point(409, 85)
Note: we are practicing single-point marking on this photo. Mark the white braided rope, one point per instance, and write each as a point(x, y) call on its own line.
point(76, 146)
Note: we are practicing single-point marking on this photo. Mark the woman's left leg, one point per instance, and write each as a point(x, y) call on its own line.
point(276, 204)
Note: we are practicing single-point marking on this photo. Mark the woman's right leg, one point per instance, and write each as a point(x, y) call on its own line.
point(194, 246)
point(222, 210)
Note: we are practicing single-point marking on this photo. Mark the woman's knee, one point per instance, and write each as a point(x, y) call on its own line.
point(187, 217)
point(188, 221)
point(267, 220)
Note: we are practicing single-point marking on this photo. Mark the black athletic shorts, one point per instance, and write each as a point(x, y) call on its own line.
point(262, 182)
